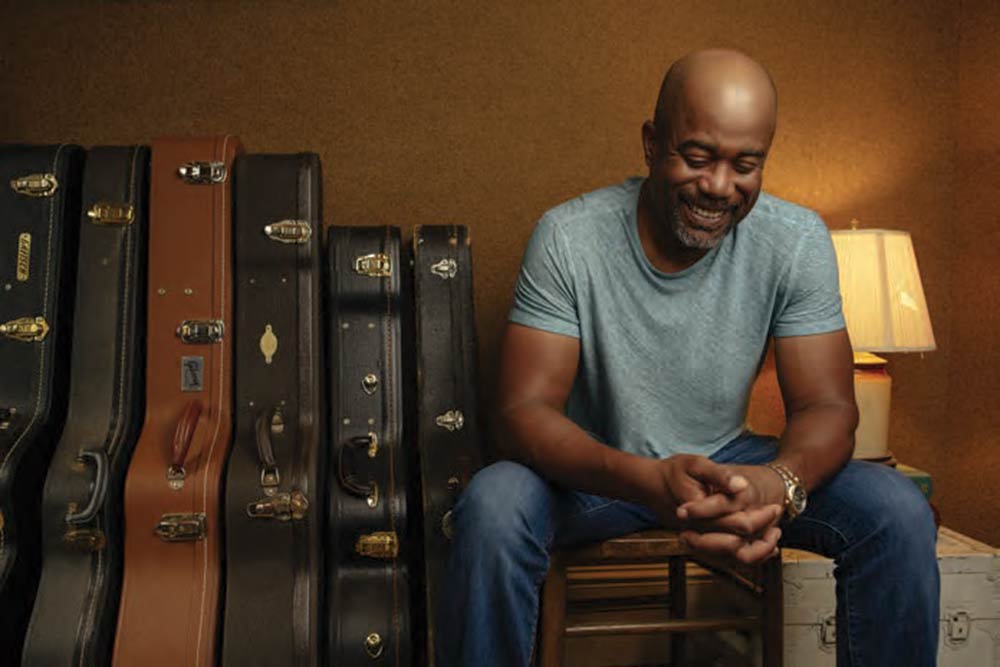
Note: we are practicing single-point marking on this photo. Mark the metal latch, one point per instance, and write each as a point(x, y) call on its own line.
point(382, 545)
point(828, 631)
point(289, 231)
point(283, 507)
point(369, 383)
point(373, 645)
point(453, 420)
point(26, 329)
point(959, 624)
point(181, 527)
point(445, 269)
point(202, 173)
point(111, 213)
point(377, 265)
point(6, 417)
point(85, 539)
point(198, 332)
point(35, 185)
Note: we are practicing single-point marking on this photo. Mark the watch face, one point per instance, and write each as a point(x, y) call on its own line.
point(798, 499)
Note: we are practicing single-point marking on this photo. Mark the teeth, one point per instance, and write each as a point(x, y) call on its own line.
point(707, 213)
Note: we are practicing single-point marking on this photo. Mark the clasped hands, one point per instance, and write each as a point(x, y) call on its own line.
point(723, 510)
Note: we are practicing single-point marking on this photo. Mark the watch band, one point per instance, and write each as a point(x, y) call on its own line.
point(793, 488)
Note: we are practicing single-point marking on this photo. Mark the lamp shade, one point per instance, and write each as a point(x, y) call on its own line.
point(884, 301)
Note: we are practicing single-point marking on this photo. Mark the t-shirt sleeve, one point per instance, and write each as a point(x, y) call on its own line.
point(810, 302)
point(544, 297)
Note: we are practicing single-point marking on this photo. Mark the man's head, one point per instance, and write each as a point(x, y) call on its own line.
point(705, 148)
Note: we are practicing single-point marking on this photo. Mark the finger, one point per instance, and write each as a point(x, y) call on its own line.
point(716, 475)
point(756, 551)
point(727, 544)
point(710, 507)
point(753, 521)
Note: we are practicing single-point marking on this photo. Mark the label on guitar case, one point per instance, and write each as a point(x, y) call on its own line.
point(192, 373)
point(23, 257)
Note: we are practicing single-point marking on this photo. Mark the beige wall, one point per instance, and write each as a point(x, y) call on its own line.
point(488, 113)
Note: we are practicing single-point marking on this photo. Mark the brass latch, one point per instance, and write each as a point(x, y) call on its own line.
point(181, 527)
point(201, 332)
point(445, 269)
point(289, 231)
point(382, 545)
point(202, 173)
point(85, 539)
point(283, 507)
point(35, 185)
point(377, 265)
point(111, 213)
point(26, 329)
point(453, 420)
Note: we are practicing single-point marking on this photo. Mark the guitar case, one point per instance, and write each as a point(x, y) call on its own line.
point(369, 547)
point(169, 614)
point(39, 225)
point(448, 431)
point(73, 620)
point(274, 503)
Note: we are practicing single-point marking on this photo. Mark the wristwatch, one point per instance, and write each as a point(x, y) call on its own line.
point(795, 493)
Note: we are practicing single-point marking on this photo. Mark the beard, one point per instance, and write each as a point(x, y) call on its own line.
point(697, 238)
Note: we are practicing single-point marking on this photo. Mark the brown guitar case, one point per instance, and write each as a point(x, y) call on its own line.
point(171, 586)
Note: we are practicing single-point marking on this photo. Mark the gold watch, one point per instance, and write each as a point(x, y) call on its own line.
point(795, 493)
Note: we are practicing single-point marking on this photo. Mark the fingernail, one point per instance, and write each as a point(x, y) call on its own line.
point(738, 483)
point(682, 513)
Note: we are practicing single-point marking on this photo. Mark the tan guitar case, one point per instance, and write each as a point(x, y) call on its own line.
point(170, 592)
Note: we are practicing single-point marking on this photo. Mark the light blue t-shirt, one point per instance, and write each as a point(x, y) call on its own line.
point(667, 360)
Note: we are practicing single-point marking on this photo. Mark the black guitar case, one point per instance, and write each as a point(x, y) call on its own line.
point(448, 433)
point(368, 540)
point(39, 224)
point(274, 503)
point(73, 621)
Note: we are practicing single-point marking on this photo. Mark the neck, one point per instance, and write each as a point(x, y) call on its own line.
point(661, 247)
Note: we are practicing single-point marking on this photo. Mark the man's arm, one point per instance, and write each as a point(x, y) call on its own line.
point(817, 386)
point(537, 371)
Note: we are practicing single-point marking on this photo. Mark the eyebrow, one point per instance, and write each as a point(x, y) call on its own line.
point(708, 148)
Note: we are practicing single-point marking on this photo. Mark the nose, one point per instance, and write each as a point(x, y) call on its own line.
point(717, 182)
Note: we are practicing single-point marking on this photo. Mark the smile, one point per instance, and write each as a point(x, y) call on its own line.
point(705, 217)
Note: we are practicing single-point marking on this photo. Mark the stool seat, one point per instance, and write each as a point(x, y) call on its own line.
point(660, 546)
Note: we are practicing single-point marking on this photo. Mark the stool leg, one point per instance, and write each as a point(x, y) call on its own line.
point(553, 620)
point(678, 608)
point(774, 614)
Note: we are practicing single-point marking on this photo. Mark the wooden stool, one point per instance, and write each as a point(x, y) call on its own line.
point(661, 546)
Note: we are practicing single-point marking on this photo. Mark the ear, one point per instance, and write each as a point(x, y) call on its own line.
point(650, 143)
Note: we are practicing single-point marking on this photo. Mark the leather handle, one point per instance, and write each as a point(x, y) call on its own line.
point(349, 479)
point(185, 433)
point(100, 460)
point(265, 450)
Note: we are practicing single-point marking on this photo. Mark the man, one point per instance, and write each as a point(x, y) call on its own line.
point(641, 315)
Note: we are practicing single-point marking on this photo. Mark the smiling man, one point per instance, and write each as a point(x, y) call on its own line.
point(641, 315)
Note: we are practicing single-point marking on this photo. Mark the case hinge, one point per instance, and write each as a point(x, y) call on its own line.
point(376, 265)
point(382, 545)
point(35, 185)
point(453, 420)
point(26, 329)
point(289, 231)
point(828, 631)
point(445, 269)
point(959, 625)
point(111, 213)
point(202, 173)
point(283, 507)
point(201, 332)
point(181, 527)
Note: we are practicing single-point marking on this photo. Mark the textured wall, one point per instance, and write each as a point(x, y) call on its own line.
point(487, 115)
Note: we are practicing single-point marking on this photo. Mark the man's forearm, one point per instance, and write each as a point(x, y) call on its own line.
point(818, 441)
point(549, 442)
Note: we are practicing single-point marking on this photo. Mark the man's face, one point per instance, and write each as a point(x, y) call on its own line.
point(705, 169)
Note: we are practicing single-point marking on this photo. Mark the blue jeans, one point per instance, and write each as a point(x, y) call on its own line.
point(870, 519)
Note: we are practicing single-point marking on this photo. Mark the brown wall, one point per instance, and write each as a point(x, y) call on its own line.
point(487, 115)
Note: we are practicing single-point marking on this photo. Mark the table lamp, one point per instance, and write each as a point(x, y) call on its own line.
point(886, 312)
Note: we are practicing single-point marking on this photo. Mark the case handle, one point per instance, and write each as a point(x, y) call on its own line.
point(269, 476)
point(182, 442)
point(349, 480)
point(100, 460)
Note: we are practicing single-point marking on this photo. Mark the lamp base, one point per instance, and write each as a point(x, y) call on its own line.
point(872, 391)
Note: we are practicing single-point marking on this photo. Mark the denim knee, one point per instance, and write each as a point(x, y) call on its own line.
point(506, 506)
point(903, 518)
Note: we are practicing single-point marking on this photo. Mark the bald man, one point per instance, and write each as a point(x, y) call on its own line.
point(641, 315)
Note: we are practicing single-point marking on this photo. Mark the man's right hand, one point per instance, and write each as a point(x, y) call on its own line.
point(748, 535)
